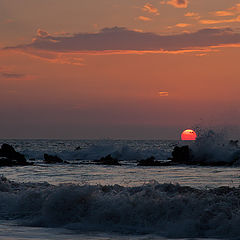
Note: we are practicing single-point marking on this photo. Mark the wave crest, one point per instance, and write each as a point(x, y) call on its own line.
point(213, 147)
point(165, 209)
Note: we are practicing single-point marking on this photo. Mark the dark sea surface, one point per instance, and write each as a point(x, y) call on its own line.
point(83, 200)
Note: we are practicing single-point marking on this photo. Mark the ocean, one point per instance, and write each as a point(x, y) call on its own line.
point(83, 200)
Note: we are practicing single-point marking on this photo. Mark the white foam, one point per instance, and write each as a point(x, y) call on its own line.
point(212, 146)
point(119, 151)
point(164, 209)
point(102, 149)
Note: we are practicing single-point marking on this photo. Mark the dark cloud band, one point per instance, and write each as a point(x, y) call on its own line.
point(123, 39)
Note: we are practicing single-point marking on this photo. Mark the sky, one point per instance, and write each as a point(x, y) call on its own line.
point(133, 69)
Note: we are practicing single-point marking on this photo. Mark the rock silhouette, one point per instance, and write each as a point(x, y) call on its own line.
point(108, 160)
point(182, 155)
point(50, 159)
point(9, 157)
point(152, 162)
point(185, 155)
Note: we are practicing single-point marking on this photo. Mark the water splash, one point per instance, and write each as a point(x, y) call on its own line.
point(214, 146)
point(163, 209)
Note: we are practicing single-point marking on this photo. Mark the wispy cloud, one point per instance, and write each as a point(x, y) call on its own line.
point(163, 94)
point(145, 19)
point(176, 3)
point(222, 13)
point(9, 20)
point(42, 33)
point(193, 15)
point(14, 76)
point(54, 57)
point(8, 73)
point(214, 21)
point(182, 25)
point(228, 12)
point(235, 8)
point(148, 7)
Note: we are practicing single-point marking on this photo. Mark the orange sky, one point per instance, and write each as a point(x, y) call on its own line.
point(118, 69)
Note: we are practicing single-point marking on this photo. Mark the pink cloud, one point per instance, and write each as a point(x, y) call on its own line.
point(228, 12)
point(42, 33)
point(177, 3)
point(193, 15)
point(148, 7)
point(214, 21)
point(69, 58)
point(163, 94)
point(145, 19)
point(222, 13)
point(182, 25)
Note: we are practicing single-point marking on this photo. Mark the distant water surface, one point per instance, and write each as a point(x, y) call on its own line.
point(121, 202)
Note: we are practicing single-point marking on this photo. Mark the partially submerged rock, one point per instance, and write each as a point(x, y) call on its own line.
point(152, 162)
point(78, 148)
point(9, 157)
point(233, 143)
point(50, 159)
point(108, 160)
point(181, 155)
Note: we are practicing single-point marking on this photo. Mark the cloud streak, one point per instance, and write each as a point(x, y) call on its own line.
point(15, 76)
point(148, 7)
point(193, 15)
point(228, 12)
point(7, 74)
point(163, 94)
point(222, 13)
point(143, 18)
point(210, 21)
point(12, 75)
point(182, 25)
point(177, 3)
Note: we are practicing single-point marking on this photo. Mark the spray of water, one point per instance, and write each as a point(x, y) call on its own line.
point(213, 146)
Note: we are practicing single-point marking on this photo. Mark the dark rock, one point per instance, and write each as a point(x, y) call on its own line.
point(9, 157)
point(9, 152)
point(108, 160)
point(233, 143)
point(236, 157)
point(152, 162)
point(182, 155)
point(77, 148)
point(50, 159)
point(4, 162)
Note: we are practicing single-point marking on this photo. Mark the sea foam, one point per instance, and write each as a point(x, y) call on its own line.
point(101, 149)
point(164, 209)
point(213, 147)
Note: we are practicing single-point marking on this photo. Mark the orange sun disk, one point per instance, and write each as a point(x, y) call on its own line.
point(188, 135)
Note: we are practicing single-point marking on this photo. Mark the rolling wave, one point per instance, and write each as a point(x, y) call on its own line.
point(165, 209)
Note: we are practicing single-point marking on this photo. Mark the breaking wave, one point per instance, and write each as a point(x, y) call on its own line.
point(165, 209)
point(213, 146)
point(96, 151)
point(210, 147)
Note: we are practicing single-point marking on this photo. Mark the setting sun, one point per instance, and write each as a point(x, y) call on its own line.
point(188, 135)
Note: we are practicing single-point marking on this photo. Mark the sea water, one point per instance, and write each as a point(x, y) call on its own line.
point(82, 200)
